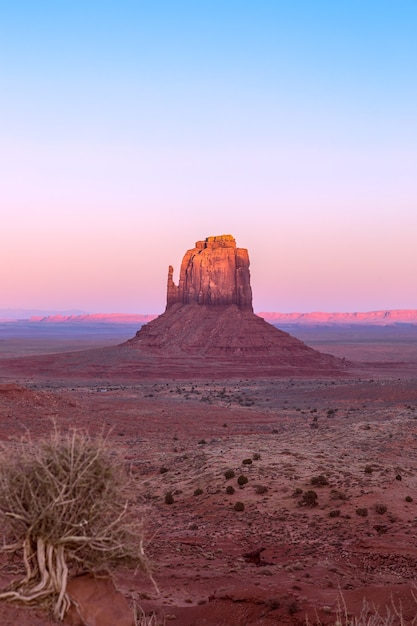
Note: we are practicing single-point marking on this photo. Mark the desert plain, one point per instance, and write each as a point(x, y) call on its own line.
point(281, 556)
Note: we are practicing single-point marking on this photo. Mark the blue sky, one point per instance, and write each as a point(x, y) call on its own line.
point(130, 130)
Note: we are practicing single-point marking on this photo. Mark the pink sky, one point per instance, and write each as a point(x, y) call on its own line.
point(127, 137)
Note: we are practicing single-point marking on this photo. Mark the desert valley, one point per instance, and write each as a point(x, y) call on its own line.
point(276, 470)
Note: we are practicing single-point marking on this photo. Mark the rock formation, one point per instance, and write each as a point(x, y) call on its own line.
point(209, 314)
point(213, 273)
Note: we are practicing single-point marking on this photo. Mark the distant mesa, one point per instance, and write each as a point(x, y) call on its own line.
point(371, 318)
point(94, 318)
point(209, 314)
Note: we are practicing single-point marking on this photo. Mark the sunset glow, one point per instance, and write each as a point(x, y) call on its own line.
point(130, 130)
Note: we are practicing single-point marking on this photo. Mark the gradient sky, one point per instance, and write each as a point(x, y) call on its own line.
point(130, 130)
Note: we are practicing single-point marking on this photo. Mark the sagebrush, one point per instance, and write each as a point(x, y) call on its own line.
point(66, 504)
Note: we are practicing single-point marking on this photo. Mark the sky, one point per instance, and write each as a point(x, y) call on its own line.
point(129, 130)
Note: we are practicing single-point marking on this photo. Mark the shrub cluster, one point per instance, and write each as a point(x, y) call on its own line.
point(319, 481)
point(310, 498)
point(362, 512)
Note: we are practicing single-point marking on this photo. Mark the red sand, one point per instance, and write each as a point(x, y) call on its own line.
point(294, 429)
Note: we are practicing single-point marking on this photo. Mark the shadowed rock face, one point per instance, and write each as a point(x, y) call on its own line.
point(214, 273)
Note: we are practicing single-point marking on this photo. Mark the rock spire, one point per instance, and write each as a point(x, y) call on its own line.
point(213, 273)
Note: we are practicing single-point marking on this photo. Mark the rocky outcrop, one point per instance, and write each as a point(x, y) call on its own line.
point(214, 273)
point(95, 601)
point(209, 320)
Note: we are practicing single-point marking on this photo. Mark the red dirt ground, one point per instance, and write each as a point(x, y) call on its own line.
point(355, 434)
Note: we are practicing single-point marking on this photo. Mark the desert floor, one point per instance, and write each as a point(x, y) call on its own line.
point(352, 440)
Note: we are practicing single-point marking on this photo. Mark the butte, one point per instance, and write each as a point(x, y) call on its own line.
point(208, 330)
point(209, 324)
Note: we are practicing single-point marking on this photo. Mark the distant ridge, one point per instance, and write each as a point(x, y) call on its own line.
point(379, 318)
point(24, 314)
point(96, 318)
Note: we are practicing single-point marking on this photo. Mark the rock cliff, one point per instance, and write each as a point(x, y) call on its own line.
point(213, 273)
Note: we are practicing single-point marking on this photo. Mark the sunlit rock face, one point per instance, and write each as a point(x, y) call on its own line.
point(214, 273)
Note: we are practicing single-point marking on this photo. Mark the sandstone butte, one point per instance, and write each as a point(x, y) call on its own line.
point(209, 314)
point(208, 329)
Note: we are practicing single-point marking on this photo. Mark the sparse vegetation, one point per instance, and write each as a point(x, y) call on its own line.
point(380, 508)
point(142, 619)
point(293, 608)
point(198, 491)
point(242, 480)
point(239, 506)
point(229, 474)
point(369, 615)
point(230, 490)
point(336, 494)
point(319, 481)
point(310, 498)
point(272, 604)
point(65, 502)
point(169, 498)
point(362, 512)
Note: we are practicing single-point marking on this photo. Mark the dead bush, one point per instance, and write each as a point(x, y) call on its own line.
point(319, 481)
point(65, 503)
point(310, 498)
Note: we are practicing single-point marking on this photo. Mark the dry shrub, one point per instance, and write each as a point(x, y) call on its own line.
point(310, 498)
point(369, 615)
point(66, 502)
point(319, 481)
point(142, 619)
